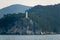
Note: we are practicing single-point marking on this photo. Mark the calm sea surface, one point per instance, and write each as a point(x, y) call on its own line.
point(29, 37)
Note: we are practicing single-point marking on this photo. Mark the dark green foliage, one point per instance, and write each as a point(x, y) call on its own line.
point(44, 19)
point(48, 17)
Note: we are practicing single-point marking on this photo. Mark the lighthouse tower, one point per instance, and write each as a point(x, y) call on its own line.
point(26, 15)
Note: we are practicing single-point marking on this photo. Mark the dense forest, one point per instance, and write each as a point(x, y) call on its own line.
point(41, 20)
point(18, 24)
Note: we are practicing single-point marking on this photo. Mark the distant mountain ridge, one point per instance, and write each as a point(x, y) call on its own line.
point(16, 8)
point(40, 8)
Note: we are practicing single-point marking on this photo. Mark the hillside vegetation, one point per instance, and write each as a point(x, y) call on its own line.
point(41, 20)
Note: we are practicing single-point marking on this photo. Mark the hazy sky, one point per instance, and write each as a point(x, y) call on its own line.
point(5, 3)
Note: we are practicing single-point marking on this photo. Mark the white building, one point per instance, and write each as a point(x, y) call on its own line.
point(26, 14)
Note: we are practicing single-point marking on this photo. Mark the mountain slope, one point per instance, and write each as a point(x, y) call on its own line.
point(47, 17)
point(16, 8)
point(41, 20)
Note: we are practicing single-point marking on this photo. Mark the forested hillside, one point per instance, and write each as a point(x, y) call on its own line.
point(41, 20)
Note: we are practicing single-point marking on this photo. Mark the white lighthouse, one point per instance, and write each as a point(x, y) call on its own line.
point(26, 14)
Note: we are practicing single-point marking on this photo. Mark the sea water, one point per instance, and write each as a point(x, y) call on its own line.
point(29, 37)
